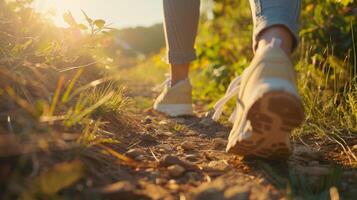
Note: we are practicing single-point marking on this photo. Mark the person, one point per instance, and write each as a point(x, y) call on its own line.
point(268, 105)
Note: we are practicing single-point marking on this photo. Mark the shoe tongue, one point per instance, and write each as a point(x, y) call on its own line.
point(274, 44)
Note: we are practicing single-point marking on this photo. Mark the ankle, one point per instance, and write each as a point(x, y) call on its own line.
point(179, 72)
point(277, 36)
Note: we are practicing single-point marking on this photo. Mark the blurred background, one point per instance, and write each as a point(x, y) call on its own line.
point(68, 67)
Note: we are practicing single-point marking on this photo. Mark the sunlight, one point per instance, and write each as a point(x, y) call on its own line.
point(121, 13)
point(55, 9)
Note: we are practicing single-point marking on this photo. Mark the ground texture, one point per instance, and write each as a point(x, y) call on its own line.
point(155, 157)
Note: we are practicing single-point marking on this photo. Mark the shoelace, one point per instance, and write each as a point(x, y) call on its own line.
point(244, 128)
point(232, 91)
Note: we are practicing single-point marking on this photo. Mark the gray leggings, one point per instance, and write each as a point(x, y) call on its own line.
point(182, 16)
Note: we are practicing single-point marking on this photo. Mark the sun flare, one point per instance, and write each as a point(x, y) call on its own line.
point(122, 13)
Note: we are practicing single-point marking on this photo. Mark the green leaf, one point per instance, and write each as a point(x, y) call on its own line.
point(99, 23)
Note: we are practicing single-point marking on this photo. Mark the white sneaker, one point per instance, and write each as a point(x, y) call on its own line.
point(268, 106)
point(175, 101)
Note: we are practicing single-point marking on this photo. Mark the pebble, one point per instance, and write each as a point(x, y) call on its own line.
point(176, 170)
point(191, 157)
point(218, 165)
point(134, 153)
point(188, 146)
point(169, 160)
point(191, 133)
point(148, 138)
point(222, 134)
point(172, 185)
point(140, 158)
point(207, 122)
point(237, 192)
point(167, 133)
point(163, 122)
point(167, 147)
point(180, 120)
point(147, 120)
point(119, 190)
point(219, 143)
point(210, 191)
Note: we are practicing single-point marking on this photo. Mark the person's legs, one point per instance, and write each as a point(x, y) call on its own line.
point(275, 19)
point(181, 21)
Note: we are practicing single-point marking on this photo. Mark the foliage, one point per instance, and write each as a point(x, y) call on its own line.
point(326, 59)
point(53, 81)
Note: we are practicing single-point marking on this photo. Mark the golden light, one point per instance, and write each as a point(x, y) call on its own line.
point(56, 8)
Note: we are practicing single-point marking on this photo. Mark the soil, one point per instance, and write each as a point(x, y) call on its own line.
point(184, 158)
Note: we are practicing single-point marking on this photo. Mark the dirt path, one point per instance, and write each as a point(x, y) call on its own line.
point(184, 158)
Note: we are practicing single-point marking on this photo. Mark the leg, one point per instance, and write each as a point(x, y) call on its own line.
point(275, 19)
point(268, 105)
point(181, 22)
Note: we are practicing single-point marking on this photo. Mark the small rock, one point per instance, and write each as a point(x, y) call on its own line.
point(218, 165)
point(169, 160)
point(140, 158)
point(176, 170)
point(207, 122)
point(210, 191)
point(222, 134)
point(219, 143)
point(191, 157)
point(193, 176)
point(172, 185)
point(180, 120)
point(188, 146)
point(163, 122)
point(148, 138)
point(191, 133)
point(134, 153)
point(167, 133)
point(167, 147)
point(237, 193)
point(160, 181)
point(147, 120)
point(120, 190)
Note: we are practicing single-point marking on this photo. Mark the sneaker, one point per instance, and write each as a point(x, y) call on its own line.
point(175, 101)
point(268, 106)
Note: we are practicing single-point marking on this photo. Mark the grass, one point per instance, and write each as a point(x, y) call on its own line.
point(56, 99)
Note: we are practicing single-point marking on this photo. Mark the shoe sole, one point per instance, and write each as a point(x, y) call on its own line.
point(175, 110)
point(272, 118)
